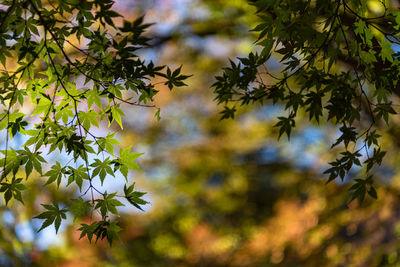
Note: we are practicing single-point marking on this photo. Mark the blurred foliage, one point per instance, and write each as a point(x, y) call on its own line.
point(223, 193)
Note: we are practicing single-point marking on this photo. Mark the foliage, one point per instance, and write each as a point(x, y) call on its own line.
point(338, 67)
point(223, 193)
point(76, 68)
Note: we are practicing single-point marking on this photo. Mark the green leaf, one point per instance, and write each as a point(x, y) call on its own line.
point(112, 232)
point(12, 162)
point(157, 114)
point(79, 208)
point(228, 113)
point(101, 168)
point(55, 174)
point(77, 175)
point(135, 197)
point(285, 125)
point(93, 97)
point(108, 143)
point(88, 119)
point(101, 229)
point(386, 50)
point(127, 159)
point(32, 160)
point(53, 215)
point(108, 203)
point(13, 189)
point(116, 114)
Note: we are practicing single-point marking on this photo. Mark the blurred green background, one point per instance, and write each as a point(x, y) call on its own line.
point(222, 193)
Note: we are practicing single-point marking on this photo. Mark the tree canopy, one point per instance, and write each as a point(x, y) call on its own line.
point(72, 92)
point(71, 67)
point(339, 67)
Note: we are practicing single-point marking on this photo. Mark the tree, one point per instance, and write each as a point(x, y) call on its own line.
point(224, 193)
point(339, 66)
point(72, 87)
point(75, 68)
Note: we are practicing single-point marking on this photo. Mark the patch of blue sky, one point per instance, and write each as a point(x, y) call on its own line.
point(306, 160)
point(395, 47)
point(48, 236)
point(8, 218)
point(16, 142)
point(182, 7)
point(299, 149)
point(268, 112)
point(268, 154)
point(274, 63)
point(312, 135)
point(164, 28)
point(149, 55)
point(295, 152)
point(24, 231)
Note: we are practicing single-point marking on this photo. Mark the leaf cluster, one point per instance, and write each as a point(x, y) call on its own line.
point(314, 40)
point(76, 68)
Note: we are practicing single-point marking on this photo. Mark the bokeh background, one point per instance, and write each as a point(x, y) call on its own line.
point(222, 193)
